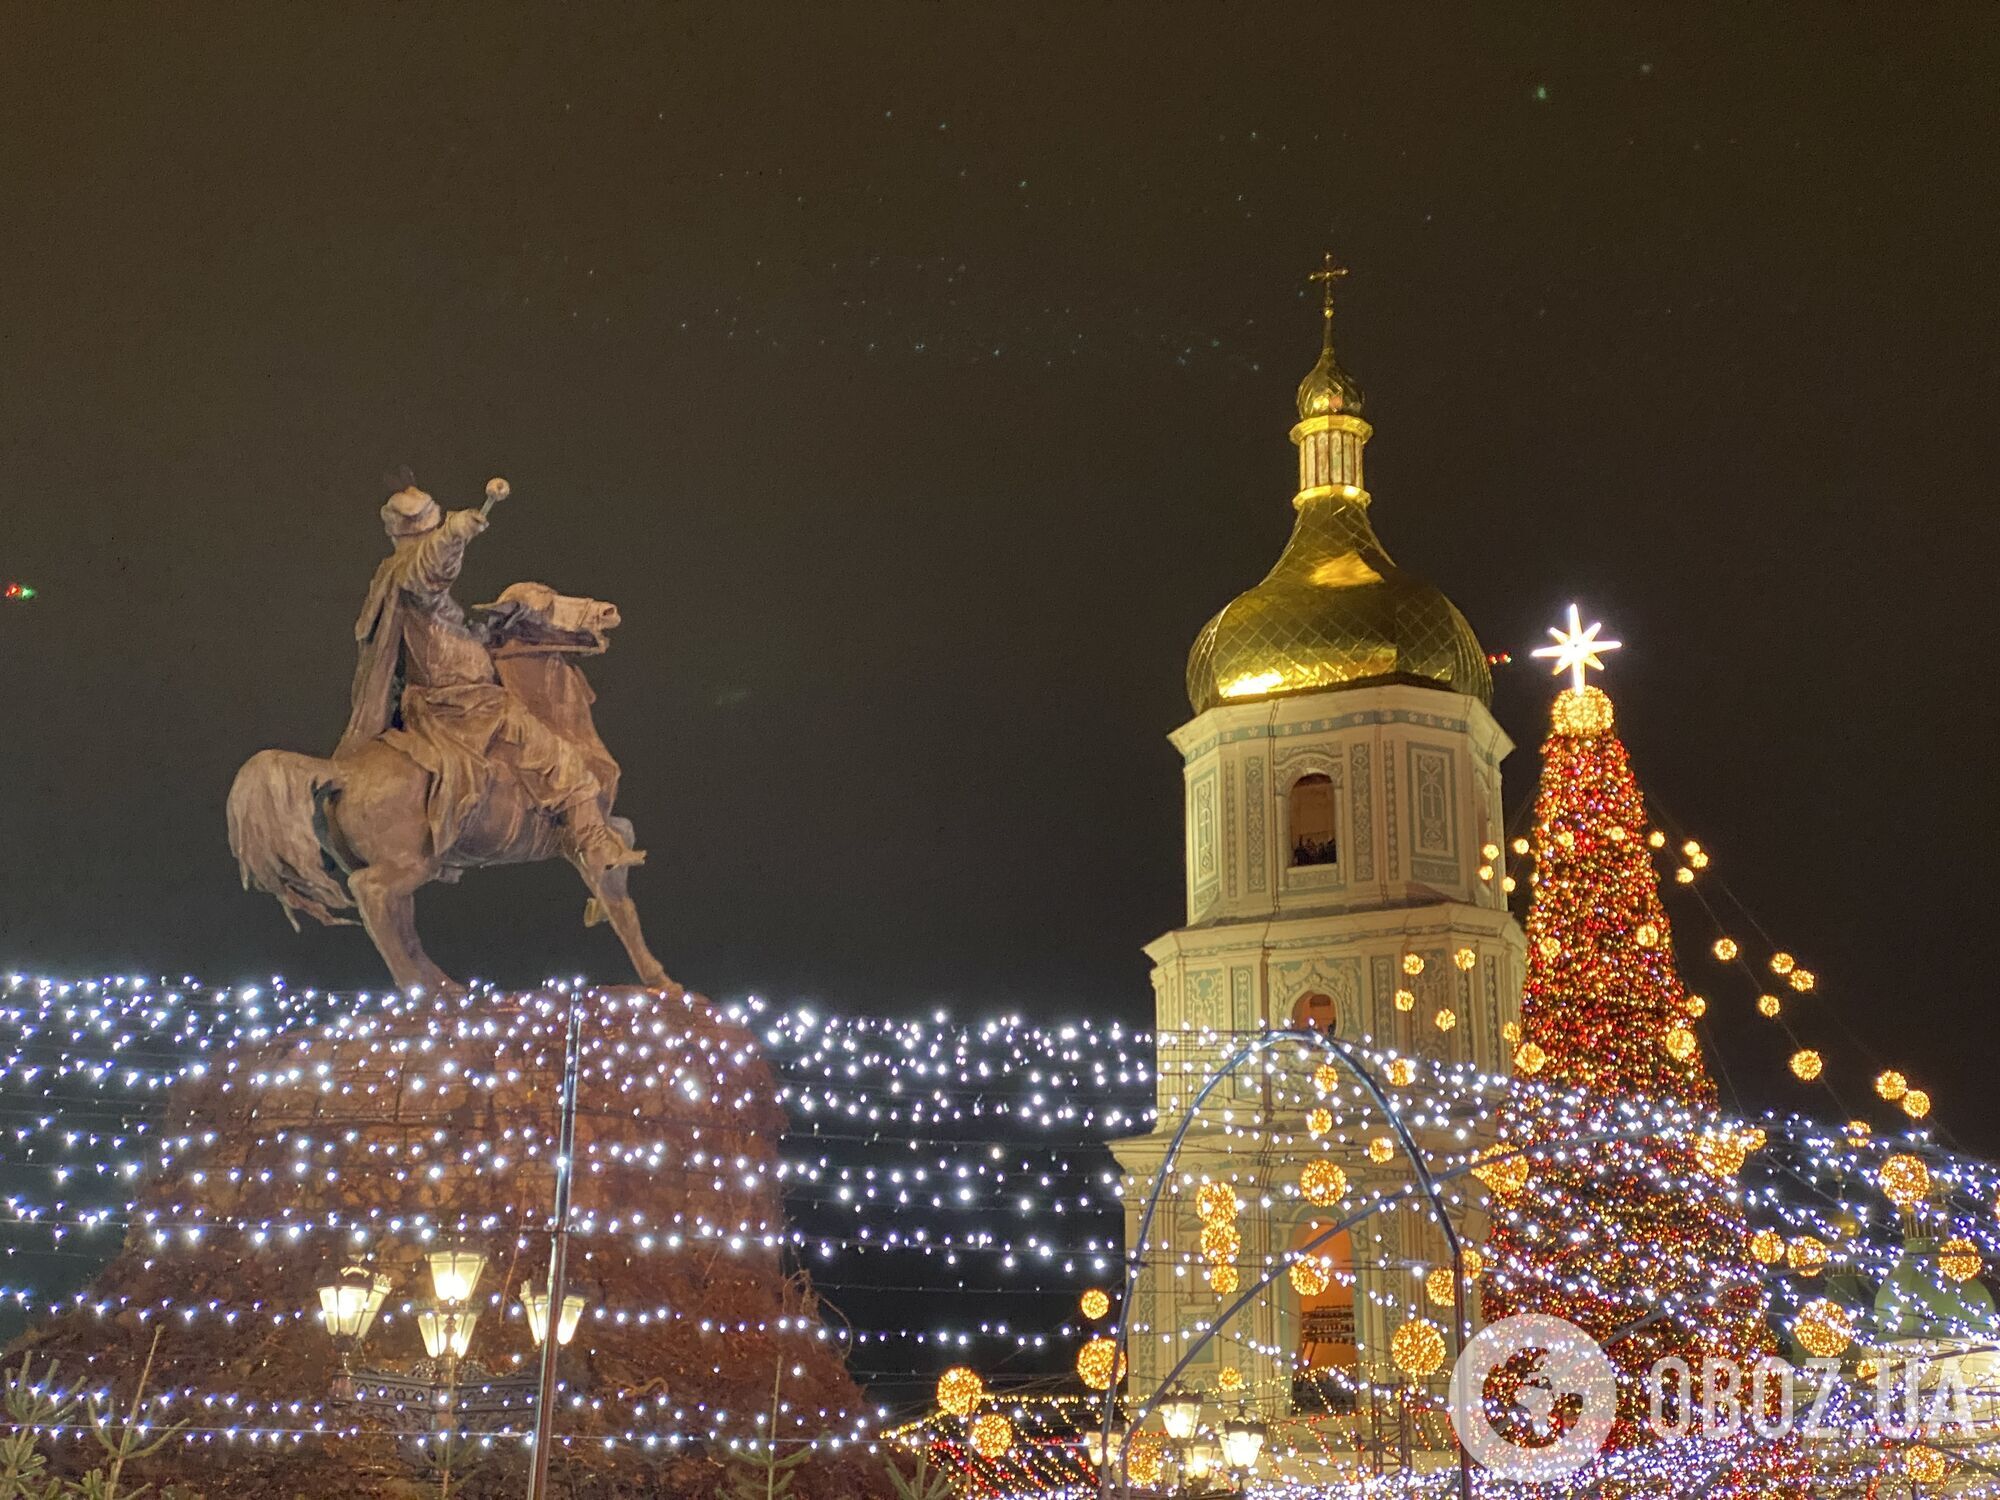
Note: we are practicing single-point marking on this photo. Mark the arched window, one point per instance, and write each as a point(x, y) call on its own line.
point(1312, 820)
point(1326, 1361)
point(1315, 1012)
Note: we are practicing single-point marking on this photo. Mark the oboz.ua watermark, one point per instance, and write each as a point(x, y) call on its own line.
point(1562, 1398)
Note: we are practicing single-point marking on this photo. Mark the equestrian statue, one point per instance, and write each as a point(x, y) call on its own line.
point(469, 742)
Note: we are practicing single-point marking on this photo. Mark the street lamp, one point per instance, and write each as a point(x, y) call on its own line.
point(1180, 1414)
point(446, 1330)
point(1242, 1442)
point(455, 1271)
point(348, 1303)
point(535, 1303)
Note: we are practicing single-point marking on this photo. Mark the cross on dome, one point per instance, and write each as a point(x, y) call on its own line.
point(1327, 274)
point(1576, 649)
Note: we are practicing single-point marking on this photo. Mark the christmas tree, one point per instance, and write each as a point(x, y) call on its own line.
point(1639, 1240)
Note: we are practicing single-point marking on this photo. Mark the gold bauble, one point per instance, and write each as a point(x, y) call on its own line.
point(1823, 1328)
point(1768, 1246)
point(1806, 1255)
point(1925, 1465)
point(1579, 714)
point(1695, 1006)
point(1916, 1104)
point(1783, 963)
point(1326, 1078)
point(1223, 1280)
point(1413, 964)
point(1802, 980)
point(1322, 1183)
point(1473, 1259)
point(1806, 1064)
point(1319, 1122)
point(1519, 846)
point(1768, 1006)
point(1145, 1457)
point(1417, 1348)
point(1905, 1180)
point(1214, 1201)
point(1438, 1286)
point(1511, 1032)
point(1402, 1072)
point(1444, 1020)
point(1548, 947)
point(1406, 999)
point(1959, 1259)
point(1891, 1085)
point(1530, 1059)
point(1310, 1276)
point(1094, 1304)
point(1721, 1152)
point(1465, 958)
point(1383, 1148)
point(1099, 1365)
point(1656, 839)
point(1647, 934)
point(1680, 1043)
point(992, 1435)
point(959, 1390)
point(1502, 1169)
point(1725, 948)
point(1220, 1241)
point(1229, 1378)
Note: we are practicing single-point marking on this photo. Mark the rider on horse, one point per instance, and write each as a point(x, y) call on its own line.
point(426, 682)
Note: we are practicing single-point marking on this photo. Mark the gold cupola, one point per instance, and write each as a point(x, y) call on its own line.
point(1335, 611)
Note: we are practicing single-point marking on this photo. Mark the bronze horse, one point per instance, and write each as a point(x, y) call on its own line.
point(351, 834)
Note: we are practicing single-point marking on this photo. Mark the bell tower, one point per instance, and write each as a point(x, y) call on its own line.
point(1344, 871)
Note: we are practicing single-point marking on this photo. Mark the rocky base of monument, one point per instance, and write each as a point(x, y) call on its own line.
point(388, 1150)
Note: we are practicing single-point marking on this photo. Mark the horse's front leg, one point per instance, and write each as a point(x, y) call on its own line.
point(608, 888)
point(386, 896)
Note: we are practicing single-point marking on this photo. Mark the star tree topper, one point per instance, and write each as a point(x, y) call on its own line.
point(1576, 649)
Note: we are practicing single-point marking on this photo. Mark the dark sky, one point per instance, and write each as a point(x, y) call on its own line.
point(916, 379)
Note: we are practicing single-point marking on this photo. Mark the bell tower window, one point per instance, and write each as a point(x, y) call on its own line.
point(1312, 820)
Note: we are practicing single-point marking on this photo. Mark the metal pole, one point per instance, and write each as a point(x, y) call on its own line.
point(545, 1390)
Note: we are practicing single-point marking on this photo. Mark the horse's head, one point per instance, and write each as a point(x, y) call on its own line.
point(534, 616)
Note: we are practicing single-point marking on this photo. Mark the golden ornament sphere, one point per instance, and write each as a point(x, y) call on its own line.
point(959, 1390)
point(1402, 1072)
point(992, 1435)
point(1768, 1246)
point(1802, 980)
point(1383, 1148)
point(1319, 1122)
point(1417, 1348)
point(1530, 1059)
point(1823, 1328)
point(1565, 838)
point(1548, 947)
point(1695, 1006)
point(1859, 1131)
point(1094, 1304)
point(1413, 964)
point(1474, 1260)
point(1099, 1365)
point(1229, 1378)
point(1310, 1276)
point(1322, 1183)
point(1959, 1259)
point(1326, 1078)
point(1406, 999)
point(1891, 1084)
point(1725, 948)
point(1768, 1005)
point(1656, 839)
point(1486, 872)
point(1905, 1180)
point(1465, 958)
point(1916, 1104)
point(1445, 1019)
point(1439, 1288)
point(1616, 833)
point(1806, 1255)
point(1783, 963)
point(1223, 1280)
point(1691, 848)
point(1216, 1200)
point(1581, 714)
point(1489, 851)
point(1220, 1241)
point(1684, 876)
point(1806, 1064)
point(1519, 846)
point(1721, 1152)
point(1503, 1170)
point(1145, 1458)
point(1647, 935)
point(1680, 1043)
point(1700, 860)
point(1925, 1465)
point(1511, 1032)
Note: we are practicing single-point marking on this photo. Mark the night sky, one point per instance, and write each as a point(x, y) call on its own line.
point(916, 380)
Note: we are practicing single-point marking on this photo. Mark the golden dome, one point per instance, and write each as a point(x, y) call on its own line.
point(1328, 389)
point(1334, 612)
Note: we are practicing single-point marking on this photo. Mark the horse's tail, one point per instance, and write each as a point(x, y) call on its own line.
point(275, 809)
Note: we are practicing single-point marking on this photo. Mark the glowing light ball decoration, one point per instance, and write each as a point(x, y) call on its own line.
point(1229, 1379)
point(1326, 1078)
point(1322, 1183)
point(959, 1391)
point(1905, 1180)
point(1215, 1201)
point(1417, 1348)
point(1916, 1104)
point(1145, 1458)
point(1725, 948)
point(1224, 1280)
point(1094, 1304)
point(1406, 1000)
point(1466, 959)
point(1925, 1465)
point(1319, 1122)
point(1679, 1042)
point(1768, 1246)
point(1402, 1072)
point(1891, 1085)
point(1310, 1276)
point(1220, 1242)
point(992, 1436)
point(1806, 1064)
point(1473, 1259)
point(1807, 1255)
point(1823, 1328)
point(1099, 1365)
point(1783, 963)
point(1530, 1058)
point(1439, 1288)
point(1413, 964)
point(1503, 1169)
point(1768, 1006)
point(1959, 1259)
point(1382, 1149)
point(1445, 1019)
